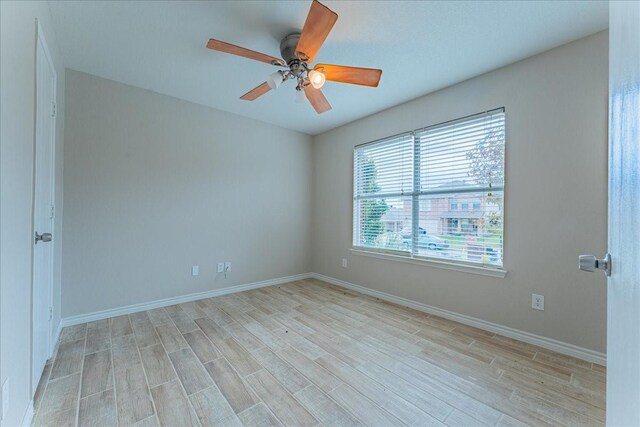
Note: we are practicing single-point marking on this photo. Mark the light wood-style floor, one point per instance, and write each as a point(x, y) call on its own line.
point(308, 353)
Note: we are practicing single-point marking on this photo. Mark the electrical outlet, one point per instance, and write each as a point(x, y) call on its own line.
point(344, 262)
point(537, 302)
point(5, 398)
point(227, 266)
point(221, 267)
point(195, 270)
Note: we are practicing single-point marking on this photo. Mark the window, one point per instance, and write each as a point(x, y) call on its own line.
point(408, 188)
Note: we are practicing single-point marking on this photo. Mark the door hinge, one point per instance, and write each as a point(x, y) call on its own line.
point(52, 213)
point(50, 313)
point(53, 109)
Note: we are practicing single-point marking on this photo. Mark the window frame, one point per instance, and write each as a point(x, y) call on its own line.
point(411, 255)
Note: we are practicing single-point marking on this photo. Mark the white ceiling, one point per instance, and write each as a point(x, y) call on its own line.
point(421, 46)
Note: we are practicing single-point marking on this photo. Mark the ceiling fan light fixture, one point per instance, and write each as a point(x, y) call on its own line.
point(275, 80)
point(316, 78)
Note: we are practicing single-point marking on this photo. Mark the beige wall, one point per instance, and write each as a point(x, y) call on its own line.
point(555, 208)
point(154, 185)
point(17, 125)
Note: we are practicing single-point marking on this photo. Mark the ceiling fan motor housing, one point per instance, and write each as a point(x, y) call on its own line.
point(288, 48)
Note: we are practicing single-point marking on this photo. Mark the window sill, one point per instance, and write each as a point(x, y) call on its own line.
point(472, 269)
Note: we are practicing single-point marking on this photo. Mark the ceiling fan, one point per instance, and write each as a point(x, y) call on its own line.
point(298, 50)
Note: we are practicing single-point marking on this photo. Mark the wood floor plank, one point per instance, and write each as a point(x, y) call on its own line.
point(310, 369)
point(335, 349)
point(552, 411)
point(231, 385)
point(157, 365)
point(244, 337)
point(120, 326)
point(269, 339)
point(133, 398)
point(60, 397)
point(68, 359)
point(182, 321)
point(192, 310)
point(211, 406)
point(362, 408)
point(568, 397)
point(443, 392)
point(458, 419)
point(290, 378)
point(151, 421)
point(73, 333)
point(507, 421)
point(98, 410)
point(266, 320)
point(143, 330)
point(171, 337)
point(588, 382)
point(212, 330)
point(420, 398)
point(173, 406)
point(190, 371)
point(324, 409)
point(239, 358)
point(300, 343)
point(380, 395)
point(202, 346)
point(98, 336)
point(259, 416)
point(96, 373)
point(591, 397)
point(57, 419)
point(158, 316)
point(216, 314)
point(292, 324)
point(277, 398)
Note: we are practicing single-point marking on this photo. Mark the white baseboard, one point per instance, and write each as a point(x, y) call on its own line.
point(27, 419)
point(548, 343)
point(105, 314)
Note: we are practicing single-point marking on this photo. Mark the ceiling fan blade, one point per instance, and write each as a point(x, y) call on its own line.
point(317, 99)
point(256, 92)
point(352, 75)
point(319, 23)
point(241, 51)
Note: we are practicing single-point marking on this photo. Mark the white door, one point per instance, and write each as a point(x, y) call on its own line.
point(623, 296)
point(43, 208)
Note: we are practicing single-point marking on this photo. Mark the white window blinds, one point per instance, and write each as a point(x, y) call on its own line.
point(383, 187)
point(464, 154)
point(385, 168)
point(436, 192)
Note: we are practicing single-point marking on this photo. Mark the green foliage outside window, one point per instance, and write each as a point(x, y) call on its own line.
point(372, 210)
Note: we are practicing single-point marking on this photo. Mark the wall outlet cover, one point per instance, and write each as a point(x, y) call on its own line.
point(344, 262)
point(227, 266)
point(195, 270)
point(537, 302)
point(221, 267)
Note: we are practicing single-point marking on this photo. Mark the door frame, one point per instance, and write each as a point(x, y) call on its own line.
point(41, 41)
